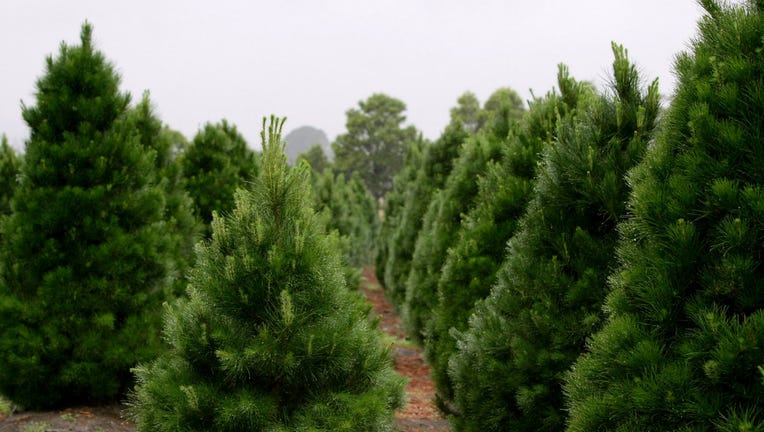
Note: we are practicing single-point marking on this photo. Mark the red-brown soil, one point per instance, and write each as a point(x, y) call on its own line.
point(419, 415)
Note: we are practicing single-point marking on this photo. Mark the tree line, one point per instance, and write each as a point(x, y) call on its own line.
point(595, 262)
point(210, 286)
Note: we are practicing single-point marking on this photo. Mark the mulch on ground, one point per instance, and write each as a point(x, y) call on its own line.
point(420, 414)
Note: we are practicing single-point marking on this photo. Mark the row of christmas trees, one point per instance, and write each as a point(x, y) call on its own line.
point(596, 263)
point(100, 217)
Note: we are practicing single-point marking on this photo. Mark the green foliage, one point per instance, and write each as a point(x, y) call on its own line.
point(270, 338)
point(430, 176)
point(376, 142)
point(215, 164)
point(86, 256)
point(548, 296)
point(685, 328)
point(350, 209)
point(440, 225)
point(393, 206)
point(467, 112)
point(316, 158)
point(502, 108)
point(182, 226)
point(10, 167)
point(503, 192)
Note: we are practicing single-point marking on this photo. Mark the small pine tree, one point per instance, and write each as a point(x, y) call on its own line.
point(430, 176)
point(351, 210)
point(547, 300)
point(393, 205)
point(503, 192)
point(86, 252)
point(270, 338)
point(217, 162)
point(685, 328)
point(440, 225)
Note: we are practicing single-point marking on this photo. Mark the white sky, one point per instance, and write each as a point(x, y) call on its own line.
point(311, 60)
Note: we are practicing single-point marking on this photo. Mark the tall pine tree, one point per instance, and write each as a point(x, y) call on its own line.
point(270, 338)
point(86, 255)
point(184, 228)
point(503, 193)
point(685, 328)
point(547, 300)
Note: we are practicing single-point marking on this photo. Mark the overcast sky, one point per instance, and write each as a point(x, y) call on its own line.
point(312, 60)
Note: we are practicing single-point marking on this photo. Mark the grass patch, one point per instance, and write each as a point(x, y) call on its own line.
point(34, 427)
point(6, 407)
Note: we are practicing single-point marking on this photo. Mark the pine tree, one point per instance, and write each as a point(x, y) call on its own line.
point(270, 338)
point(182, 226)
point(685, 329)
point(216, 163)
point(86, 252)
point(442, 220)
point(393, 207)
point(503, 193)
point(351, 210)
point(10, 167)
point(549, 291)
point(431, 175)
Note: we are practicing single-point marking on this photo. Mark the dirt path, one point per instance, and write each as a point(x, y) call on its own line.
point(419, 414)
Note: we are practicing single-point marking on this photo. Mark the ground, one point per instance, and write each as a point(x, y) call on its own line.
point(419, 415)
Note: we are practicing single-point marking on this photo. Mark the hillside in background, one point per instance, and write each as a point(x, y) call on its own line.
point(303, 138)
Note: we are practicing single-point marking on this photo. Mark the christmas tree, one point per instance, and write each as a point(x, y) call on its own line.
point(685, 330)
point(270, 338)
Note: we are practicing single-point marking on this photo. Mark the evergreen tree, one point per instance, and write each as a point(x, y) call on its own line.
point(182, 226)
point(376, 142)
point(216, 163)
point(351, 210)
point(393, 205)
point(10, 167)
point(503, 192)
point(86, 252)
point(439, 227)
point(270, 338)
point(685, 329)
point(316, 157)
point(430, 176)
point(548, 297)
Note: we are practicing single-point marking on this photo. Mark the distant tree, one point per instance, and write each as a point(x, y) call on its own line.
point(467, 112)
point(86, 253)
point(548, 298)
point(183, 226)
point(430, 176)
point(316, 157)
point(504, 190)
point(216, 163)
point(351, 210)
point(376, 142)
point(393, 205)
point(10, 167)
point(270, 338)
point(685, 328)
point(502, 108)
